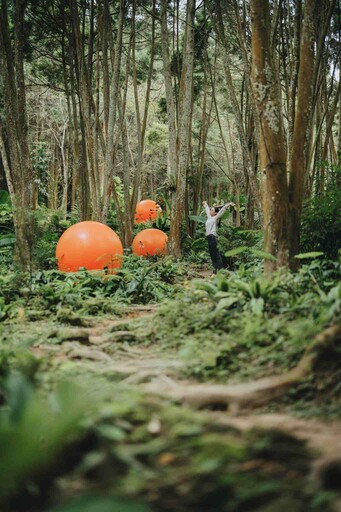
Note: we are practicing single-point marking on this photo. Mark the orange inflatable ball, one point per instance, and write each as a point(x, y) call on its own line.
point(146, 210)
point(150, 242)
point(89, 245)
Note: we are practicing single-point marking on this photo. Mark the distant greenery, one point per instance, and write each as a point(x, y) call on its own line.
point(232, 238)
point(321, 224)
point(229, 238)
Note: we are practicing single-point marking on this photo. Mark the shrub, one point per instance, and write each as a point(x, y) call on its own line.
point(321, 221)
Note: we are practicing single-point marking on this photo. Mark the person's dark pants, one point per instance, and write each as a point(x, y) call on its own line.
point(214, 252)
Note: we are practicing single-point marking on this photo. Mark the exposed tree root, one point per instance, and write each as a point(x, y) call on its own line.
point(322, 438)
point(259, 392)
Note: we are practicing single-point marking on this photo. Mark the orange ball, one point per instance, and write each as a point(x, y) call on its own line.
point(89, 245)
point(146, 210)
point(150, 242)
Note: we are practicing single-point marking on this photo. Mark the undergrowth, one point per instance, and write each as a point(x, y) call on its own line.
point(245, 325)
point(115, 442)
point(69, 296)
point(109, 443)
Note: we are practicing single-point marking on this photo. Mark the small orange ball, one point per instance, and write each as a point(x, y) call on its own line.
point(150, 242)
point(146, 210)
point(91, 245)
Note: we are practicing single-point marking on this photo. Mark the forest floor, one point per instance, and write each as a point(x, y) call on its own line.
point(159, 372)
point(112, 350)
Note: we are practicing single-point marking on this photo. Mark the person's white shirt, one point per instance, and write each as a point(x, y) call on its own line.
point(211, 223)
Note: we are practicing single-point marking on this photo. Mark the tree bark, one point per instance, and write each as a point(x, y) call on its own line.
point(302, 124)
point(17, 156)
point(171, 111)
point(218, 23)
point(141, 123)
point(184, 132)
point(114, 98)
point(272, 139)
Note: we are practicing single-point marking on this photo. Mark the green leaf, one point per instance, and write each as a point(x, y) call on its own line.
point(4, 197)
point(225, 215)
point(257, 305)
point(262, 254)
point(227, 303)
point(236, 251)
point(309, 255)
point(29, 422)
point(4, 242)
point(198, 244)
point(221, 295)
point(111, 432)
point(198, 218)
point(100, 504)
point(92, 460)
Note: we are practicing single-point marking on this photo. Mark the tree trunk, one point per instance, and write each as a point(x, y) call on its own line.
point(86, 104)
point(16, 155)
point(218, 23)
point(114, 98)
point(302, 124)
point(171, 111)
point(294, 74)
point(184, 132)
point(141, 124)
point(272, 140)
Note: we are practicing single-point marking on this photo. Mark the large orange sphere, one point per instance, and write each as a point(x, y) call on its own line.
point(146, 210)
point(89, 245)
point(150, 242)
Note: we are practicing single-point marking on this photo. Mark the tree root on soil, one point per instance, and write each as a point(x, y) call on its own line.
point(259, 392)
point(322, 439)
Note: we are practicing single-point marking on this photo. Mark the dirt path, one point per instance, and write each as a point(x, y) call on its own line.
point(110, 348)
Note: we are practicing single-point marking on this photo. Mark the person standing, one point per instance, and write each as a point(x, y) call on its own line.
point(213, 216)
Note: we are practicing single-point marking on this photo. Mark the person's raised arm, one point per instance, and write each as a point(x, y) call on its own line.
point(207, 209)
point(223, 210)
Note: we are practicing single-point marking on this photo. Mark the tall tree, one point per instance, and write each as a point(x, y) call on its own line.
point(179, 134)
point(266, 89)
point(306, 84)
point(141, 121)
point(14, 133)
point(283, 201)
point(218, 10)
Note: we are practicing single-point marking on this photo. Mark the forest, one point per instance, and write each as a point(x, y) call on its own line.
point(170, 256)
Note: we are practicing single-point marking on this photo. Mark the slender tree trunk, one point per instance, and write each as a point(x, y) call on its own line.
point(303, 122)
point(171, 111)
point(204, 127)
point(65, 171)
point(272, 139)
point(184, 132)
point(105, 33)
point(218, 23)
point(142, 125)
point(294, 74)
point(80, 182)
point(114, 98)
point(85, 103)
point(16, 156)
point(330, 120)
point(127, 234)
